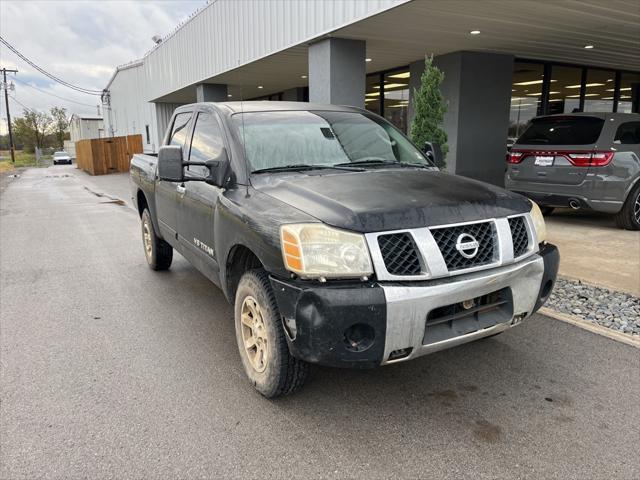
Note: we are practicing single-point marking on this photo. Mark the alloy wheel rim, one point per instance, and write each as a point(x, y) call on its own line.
point(146, 239)
point(636, 208)
point(254, 334)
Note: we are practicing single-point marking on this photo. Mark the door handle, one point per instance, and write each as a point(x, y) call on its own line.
point(181, 189)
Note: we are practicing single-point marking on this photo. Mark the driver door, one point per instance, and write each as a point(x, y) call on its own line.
point(197, 209)
point(168, 194)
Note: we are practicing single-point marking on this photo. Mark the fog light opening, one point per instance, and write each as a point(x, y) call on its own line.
point(401, 353)
point(359, 337)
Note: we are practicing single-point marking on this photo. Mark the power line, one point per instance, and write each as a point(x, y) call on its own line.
point(50, 75)
point(52, 94)
point(22, 104)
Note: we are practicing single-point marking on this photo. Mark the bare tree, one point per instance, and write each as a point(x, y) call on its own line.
point(60, 123)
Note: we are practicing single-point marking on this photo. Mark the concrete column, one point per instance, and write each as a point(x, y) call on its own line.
point(211, 92)
point(477, 91)
point(337, 72)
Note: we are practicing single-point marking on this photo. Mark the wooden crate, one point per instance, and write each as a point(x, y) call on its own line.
point(100, 156)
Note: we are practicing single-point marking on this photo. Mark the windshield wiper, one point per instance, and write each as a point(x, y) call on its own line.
point(369, 161)
point(306, 166)
point(379, 161)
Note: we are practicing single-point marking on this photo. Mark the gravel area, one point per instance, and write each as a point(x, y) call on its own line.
point(615, 310)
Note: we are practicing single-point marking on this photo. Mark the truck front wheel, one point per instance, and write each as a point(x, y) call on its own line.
point(261, 339)
point(158, 252)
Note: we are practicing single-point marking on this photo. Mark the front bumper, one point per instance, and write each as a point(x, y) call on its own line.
point(377, 323)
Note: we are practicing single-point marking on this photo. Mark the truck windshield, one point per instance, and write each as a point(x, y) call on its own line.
point(283, 139)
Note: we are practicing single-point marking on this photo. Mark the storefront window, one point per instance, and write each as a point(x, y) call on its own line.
point(564, 89)
point(599, 91)
point(396, 98)
point(526, 93)
point(569, 89)
point(372, 94)
point(629, 101)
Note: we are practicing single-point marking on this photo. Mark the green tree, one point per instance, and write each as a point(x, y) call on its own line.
point(429, 109)
point(60, 124)
point(32, 128)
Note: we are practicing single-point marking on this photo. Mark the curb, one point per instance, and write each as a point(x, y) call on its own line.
point(591, 327)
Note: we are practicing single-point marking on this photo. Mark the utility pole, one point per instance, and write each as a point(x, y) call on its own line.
point(5, 85)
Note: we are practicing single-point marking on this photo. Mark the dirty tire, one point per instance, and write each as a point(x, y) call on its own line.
point(629, 217)
point(546, 211)
point(159, 253)
point(280, 373)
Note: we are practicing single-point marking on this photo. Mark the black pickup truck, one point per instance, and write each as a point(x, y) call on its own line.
point(337, 240)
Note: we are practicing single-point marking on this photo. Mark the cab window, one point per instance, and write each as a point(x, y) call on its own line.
point(179, 129)
point(206, 143)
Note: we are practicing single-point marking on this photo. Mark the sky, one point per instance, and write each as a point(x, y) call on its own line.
point(79, 41)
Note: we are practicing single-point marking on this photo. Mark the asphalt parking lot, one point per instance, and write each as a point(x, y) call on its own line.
point(110, 370)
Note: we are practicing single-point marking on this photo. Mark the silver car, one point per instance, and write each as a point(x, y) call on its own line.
point(61, 157)
point(580, 160)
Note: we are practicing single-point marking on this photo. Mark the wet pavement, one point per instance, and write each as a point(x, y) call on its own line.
point(112, 370)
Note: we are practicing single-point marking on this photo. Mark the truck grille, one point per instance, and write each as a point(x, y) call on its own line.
point(519, 235)
point(425, 253)
point(399, 254)
point(447, 237)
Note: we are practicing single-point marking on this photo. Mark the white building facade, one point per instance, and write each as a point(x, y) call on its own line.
point(504, 63)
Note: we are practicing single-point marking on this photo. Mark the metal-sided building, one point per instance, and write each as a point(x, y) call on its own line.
point(83, 126)
point(504, 63)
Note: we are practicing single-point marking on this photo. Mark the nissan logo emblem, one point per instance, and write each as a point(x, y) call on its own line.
point(467, 245)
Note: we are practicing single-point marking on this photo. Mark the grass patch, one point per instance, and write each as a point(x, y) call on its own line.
point(23, 159)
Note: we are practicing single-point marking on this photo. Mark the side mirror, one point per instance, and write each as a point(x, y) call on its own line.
point(170, 165)
point(434, 153)
point(219, 170)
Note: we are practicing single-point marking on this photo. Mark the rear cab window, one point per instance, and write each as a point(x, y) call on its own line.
point(180, 129)
point(562, 130)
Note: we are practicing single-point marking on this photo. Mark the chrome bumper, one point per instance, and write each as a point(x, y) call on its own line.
point(408, 306)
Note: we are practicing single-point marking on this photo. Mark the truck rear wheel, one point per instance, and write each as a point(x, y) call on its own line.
point(271, 369)
point(629, 217)
point(159, 253)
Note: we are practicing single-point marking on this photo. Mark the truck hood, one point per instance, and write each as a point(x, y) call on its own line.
point(390, 199)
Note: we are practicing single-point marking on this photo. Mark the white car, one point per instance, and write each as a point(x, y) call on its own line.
point(61, 157)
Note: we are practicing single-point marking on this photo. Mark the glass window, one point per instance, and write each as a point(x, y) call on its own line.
point(526, 91)
point(629, 101)
point(628, 133)
point(599, 91)
point(396, 98)
point(564, 89)
point(206, 143)
point(179, 130)
point(277, 139)
point(372, 94)
point(569, 130)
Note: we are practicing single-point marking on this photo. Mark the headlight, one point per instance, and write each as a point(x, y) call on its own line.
point(538, 222)
point(313, 250)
